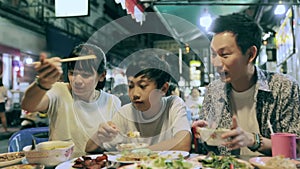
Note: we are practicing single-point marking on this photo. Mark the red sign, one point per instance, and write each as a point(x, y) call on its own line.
point(134, 8)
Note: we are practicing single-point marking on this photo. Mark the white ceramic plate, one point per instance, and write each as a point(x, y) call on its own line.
point(260, 162)
point(70, 163)
point(19, 157)
point(166, 154)
point(173, 154)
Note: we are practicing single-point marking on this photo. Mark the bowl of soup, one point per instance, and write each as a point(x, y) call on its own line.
point(49, 153)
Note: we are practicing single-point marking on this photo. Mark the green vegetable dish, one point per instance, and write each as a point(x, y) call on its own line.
point(163, 163)
point(223, 162)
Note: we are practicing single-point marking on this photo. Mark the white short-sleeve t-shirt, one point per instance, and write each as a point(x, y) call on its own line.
point(171, 119)
point(77, 120)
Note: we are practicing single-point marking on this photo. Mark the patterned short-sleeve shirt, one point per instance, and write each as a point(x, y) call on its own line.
point(276, 99)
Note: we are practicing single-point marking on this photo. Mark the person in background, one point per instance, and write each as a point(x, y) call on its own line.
point(173, 90)
point(246, 98)
point(194, 102)
point(161, 121)
point(75, 108)
point(3, 99)
point(121, 91)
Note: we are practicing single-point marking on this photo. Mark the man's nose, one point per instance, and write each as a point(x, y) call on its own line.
point(77, 78)
point(135, 93)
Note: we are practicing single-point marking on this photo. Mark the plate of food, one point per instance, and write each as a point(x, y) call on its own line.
point(274, 162)
point(139, 155)
point(131, 146)
point(212, 136)
point(163, 163)
point(25, 166)
point(11, 158)
point(97, 161)
point(213, 161)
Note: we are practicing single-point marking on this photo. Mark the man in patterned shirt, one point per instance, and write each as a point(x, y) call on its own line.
point(246, 98)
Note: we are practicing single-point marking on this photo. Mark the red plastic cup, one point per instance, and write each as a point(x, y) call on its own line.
point(284, 144)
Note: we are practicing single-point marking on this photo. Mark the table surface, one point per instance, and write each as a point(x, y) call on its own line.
point(192, 155)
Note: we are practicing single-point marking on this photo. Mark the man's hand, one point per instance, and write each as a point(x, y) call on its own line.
point(49, 70)
point(107, 132)
point(237, 136)
point(198, 123)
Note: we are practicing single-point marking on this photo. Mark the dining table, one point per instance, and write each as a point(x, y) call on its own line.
point(116, 165)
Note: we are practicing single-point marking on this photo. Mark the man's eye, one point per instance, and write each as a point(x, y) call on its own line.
point(143, 86)
point(85, 75)
point(224, 55)
point(130, 86)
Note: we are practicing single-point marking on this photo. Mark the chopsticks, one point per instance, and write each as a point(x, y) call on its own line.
point(86, 57)
point(270, 126)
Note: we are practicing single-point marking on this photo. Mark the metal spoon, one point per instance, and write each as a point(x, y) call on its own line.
point(33, 144)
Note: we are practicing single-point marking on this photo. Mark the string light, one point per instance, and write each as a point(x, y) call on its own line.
point(205, 20)
point(187, 48)
point(280, 9)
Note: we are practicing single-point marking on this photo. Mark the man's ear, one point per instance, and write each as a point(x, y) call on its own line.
point(102, 76)
point(251, 53)
point(165, 88)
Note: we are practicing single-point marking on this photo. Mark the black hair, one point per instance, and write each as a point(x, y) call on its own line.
point(197, 88)
point(150, 66)
point(247, 32)
point(172, 87)
point(90, 65)
point(98, 64)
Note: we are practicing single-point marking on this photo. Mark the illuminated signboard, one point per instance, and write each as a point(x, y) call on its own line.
point(285, 40)
point(195, 72)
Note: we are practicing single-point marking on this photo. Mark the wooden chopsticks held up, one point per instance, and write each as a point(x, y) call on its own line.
point(86, 57)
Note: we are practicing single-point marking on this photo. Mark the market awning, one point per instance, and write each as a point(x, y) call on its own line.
point(134, 8)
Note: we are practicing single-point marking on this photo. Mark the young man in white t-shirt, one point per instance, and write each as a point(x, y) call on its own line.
point(161, 121)
point(75, 108)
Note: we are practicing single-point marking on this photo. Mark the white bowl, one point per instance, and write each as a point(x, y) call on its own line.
point(49, 153)
point(212, 136)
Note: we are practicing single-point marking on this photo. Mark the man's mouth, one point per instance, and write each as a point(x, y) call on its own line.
point(77, 89)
